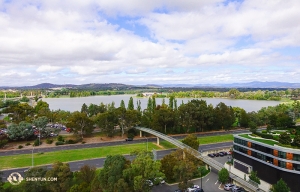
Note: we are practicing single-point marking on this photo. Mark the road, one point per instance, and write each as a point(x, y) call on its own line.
point(103, 144)
point(99, 162)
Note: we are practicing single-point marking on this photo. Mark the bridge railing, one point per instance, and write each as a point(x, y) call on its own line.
point(209, 161)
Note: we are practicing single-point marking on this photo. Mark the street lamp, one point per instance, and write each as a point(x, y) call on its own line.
point(147, 142)
point(32, 157)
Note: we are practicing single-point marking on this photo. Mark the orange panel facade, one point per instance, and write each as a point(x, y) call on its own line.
point(289, 165)
point(249, 144)
point(275, 153)
point(249, 152)
point(289, 156)
point(275, 162)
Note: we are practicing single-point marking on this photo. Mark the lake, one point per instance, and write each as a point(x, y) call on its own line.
point(75, 104)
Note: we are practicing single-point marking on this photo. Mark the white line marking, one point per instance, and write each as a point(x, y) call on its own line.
point(216, 182)
point(206, 180)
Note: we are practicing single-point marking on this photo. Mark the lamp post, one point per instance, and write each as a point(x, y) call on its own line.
point(32, 157)
point(147, 142)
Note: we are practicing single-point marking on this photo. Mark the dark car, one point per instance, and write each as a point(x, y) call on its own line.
point(129, 139)
point(211, 155)
point(199, 190)
point(216, 154)
point(221, 154)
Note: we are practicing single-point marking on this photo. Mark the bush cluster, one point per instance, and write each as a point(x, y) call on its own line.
point(264, 135)
point(59, 143)
point(49, 141)
point(20, 146)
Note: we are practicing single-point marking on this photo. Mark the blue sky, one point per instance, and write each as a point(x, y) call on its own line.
point(149, 42)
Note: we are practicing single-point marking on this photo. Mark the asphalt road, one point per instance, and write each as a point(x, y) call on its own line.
point(99, 162)
point(103, 144)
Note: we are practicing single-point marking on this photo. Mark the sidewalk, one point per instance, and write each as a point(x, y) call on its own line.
point(263, 185)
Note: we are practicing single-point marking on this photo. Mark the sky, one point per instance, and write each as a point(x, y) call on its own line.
point(140, 42)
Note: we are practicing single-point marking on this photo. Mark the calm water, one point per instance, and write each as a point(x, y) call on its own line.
point(74, 104)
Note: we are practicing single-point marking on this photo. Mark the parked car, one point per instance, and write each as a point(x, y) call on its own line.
point(129, 139)
point(211, 155)
point(228, 186)
point(178, 190)
point(190, 189)
point(237, 189)
point(221, 154)
point(216, 154)
point(199, 190)
point(149, 183)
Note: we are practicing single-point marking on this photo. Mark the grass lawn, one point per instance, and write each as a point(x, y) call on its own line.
point(15, 161)
point(215, 139)
point(269, 142)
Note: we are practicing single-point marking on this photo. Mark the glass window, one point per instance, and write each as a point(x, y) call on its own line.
point(296, 157)
point(282, 154)
point(281, 164)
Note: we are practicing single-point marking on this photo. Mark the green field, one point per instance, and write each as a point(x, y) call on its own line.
point(15, 161)
point(269, 142)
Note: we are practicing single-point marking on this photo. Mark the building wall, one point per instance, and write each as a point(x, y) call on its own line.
point(271, 174)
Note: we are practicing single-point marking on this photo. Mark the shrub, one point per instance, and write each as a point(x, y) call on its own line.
point(59, 143)
point(70, 141)
point(3, 142)
point(285, 138)
point(49, 141)
point(60, 138)
point(20, 146)
point(27, 144)
point(37, 142)
point(83, 142)
point(264, 131)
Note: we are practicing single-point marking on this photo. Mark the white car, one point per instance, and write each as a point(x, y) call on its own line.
point(228, 186)
point(149, 183)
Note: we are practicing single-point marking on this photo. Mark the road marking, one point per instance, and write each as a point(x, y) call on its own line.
point(206, 180)
point(216, 182)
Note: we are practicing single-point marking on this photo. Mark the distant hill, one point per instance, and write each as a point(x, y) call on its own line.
point(119, 86)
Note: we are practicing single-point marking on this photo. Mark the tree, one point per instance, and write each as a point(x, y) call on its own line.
point(64, 177)
point(42, 108)
point(130, 104)
point(1, 182)
point(22, 131)
point(253, 127)
point(84, 109)
point(280, 186)
point(223, 175)
point(142, 168)
point(84, 178)
point(296, 141)
point(112, 172)
point(253, 176)
point(162, 118)
point(107, 122)
point(41, 123)
point(285, 138)
point(37, 186)
point(80, 122)
point(192, 141)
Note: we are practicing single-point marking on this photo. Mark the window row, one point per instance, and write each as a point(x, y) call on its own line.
point(274, 161)
point(280, 154)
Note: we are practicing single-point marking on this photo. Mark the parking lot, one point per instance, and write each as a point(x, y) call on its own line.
point(210, 182)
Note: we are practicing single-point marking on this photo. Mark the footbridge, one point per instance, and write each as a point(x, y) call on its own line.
point(209, 161)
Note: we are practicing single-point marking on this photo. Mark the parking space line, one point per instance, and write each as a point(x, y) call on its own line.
point(216, 182)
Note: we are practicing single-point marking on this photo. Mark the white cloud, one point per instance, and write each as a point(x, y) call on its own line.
point(92, 41)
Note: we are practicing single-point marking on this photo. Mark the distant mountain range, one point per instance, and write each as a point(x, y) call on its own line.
point(119, 86)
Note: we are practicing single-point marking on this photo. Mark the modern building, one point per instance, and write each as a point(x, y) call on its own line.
point(272, 162)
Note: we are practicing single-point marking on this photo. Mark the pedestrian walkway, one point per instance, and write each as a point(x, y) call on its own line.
point(262, 186)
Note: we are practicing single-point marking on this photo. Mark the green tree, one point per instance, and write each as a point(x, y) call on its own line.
point(253, 127)
point(280, 186)
point(122, 104)
point(130, 104)
point(162, 118)
point(142, 168)
point(112, 172)
point(37, 186)
point(41, 123)
point(223, 175)
point(192, 141)
point(84, 178)
point(285, 138)
point(42, 108)
point(296, 141)
point(253, 176)
point(1, 182)
point(20, 132)
point(80, 123)
point(107, 121)
point(84, 109)
point(64, 177)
